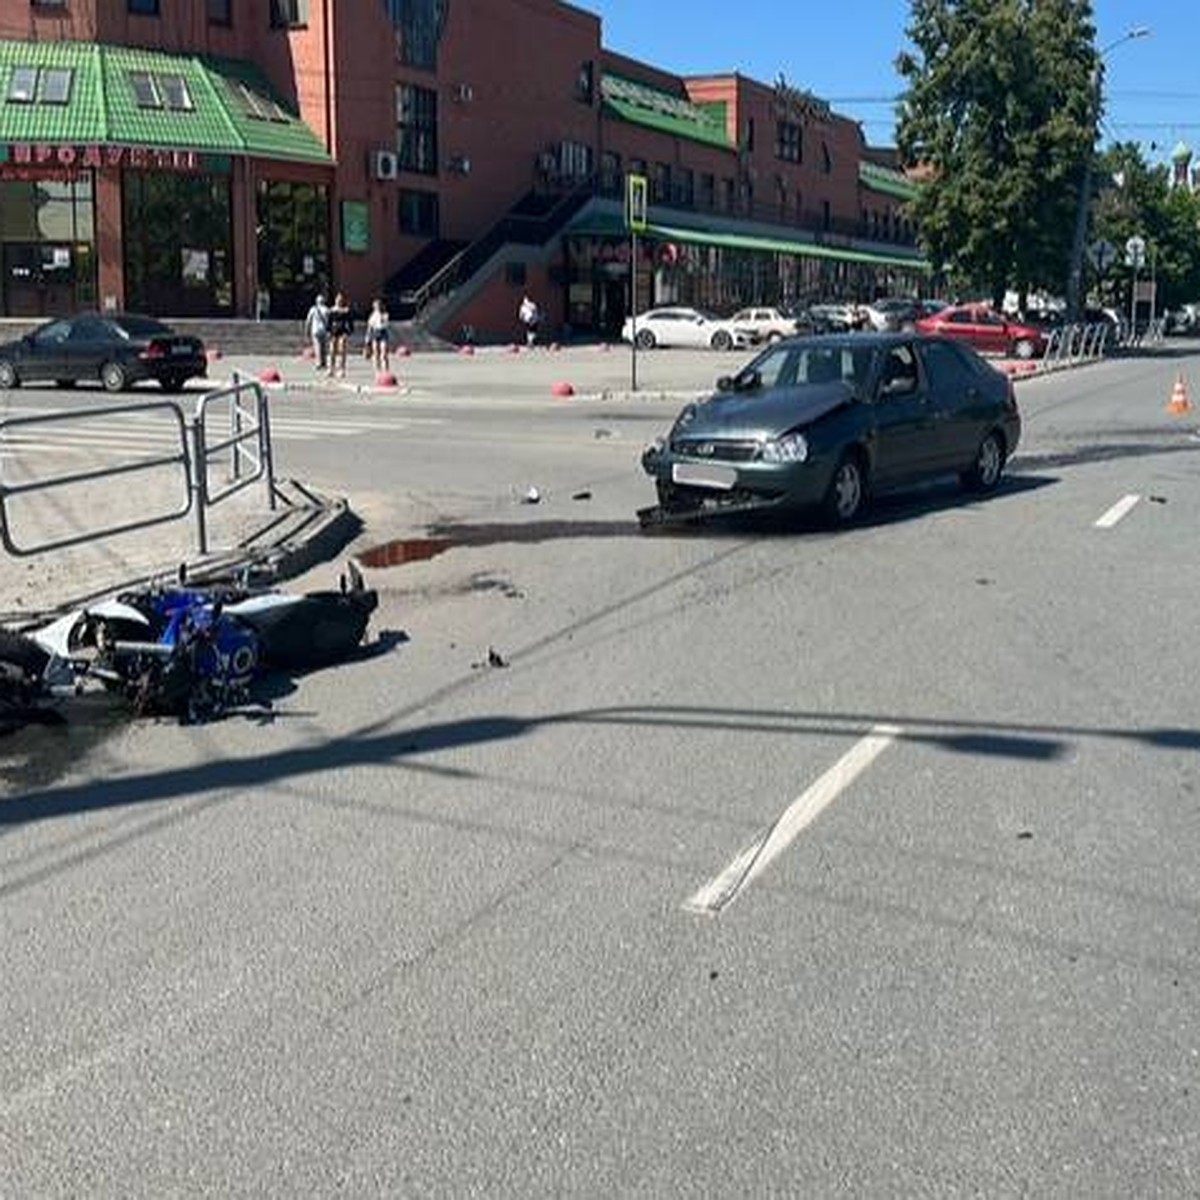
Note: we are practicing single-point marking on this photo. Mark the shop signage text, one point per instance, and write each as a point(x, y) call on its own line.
point(67, 155)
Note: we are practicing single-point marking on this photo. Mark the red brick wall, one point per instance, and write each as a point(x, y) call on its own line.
point(521, 59)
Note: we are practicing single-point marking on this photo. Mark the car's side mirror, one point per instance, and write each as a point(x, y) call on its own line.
point(725, 383)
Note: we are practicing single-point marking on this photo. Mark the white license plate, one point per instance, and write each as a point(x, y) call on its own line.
point(709, 475)
point(181, 350)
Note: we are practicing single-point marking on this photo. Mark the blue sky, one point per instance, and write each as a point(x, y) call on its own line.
point(844, 52)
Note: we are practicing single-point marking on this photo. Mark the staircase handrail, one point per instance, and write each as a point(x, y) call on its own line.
point(512, 227)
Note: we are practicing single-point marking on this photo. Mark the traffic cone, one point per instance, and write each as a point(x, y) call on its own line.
point(1179, 402)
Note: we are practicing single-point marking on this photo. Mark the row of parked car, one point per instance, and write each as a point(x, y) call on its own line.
point(976, 325)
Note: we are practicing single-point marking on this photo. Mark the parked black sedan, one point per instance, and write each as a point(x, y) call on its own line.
point(115, 350)
point(825, 421)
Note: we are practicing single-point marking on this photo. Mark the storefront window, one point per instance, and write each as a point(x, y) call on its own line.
point(293, 245)
point(47, 250)
point(178, 240)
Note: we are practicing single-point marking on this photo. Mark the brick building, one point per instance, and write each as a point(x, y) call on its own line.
point(235, 156)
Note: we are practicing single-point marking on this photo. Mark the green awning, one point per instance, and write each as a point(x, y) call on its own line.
point(886, 181)
point(233, 109)
point(652, 108)
point(613, 225)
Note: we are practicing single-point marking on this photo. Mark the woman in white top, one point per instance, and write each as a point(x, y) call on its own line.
point(378, 335)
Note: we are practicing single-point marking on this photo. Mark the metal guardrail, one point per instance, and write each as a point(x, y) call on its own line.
point(8, 490)
point(248, 444)
point(1071, 344)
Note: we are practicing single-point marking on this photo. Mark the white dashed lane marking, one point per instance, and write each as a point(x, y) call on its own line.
point(1119, 510)
point(716, 895)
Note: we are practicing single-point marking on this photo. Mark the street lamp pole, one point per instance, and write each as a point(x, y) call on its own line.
point(1083, 205)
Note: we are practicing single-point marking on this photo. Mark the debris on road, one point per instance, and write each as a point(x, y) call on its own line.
point(532, 496)
point(584, 495)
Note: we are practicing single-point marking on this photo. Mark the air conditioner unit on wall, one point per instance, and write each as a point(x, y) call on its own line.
point(384, 164)
point(464, 93)
point(460, 164)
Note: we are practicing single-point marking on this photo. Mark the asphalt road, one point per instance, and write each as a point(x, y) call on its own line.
point(772, 862)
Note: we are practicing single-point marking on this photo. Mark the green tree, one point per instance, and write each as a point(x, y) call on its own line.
point(1135, 197)
point(998, 114)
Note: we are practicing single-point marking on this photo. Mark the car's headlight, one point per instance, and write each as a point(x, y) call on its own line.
point(791, 448)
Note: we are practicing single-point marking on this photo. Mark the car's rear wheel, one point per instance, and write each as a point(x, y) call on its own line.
point(1023, 348)
point(847, 491)
point(984, 473)
point(114, 377)
point(721, 340)
point(645, 339)
point(8, 375)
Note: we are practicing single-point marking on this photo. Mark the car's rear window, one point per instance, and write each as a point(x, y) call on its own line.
point(138, 327)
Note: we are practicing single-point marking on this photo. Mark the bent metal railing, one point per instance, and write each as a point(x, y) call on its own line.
point(248, 444)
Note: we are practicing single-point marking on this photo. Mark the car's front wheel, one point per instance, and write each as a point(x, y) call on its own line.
point(645, 339)
point(984, 472)
point(113, 376)
point(8, 375)
point(847, 491)
point(773, 337)
point(721, 340)
point(1023, 348)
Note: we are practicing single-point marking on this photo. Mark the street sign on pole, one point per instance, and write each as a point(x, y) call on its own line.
point(1135, 253)
point(1102, 255)
point(636, 199)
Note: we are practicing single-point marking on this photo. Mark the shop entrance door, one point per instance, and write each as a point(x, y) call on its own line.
point(38, 279)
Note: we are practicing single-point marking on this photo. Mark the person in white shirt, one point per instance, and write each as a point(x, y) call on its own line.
point(379, 336)
point(530, 316)
point(316, 326)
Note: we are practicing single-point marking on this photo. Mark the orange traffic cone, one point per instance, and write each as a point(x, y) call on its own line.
point(1179, 402)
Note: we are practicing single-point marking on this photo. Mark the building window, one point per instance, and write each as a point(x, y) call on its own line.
point(788, 143)
point(416, 133)
point(219, 12)
point(175, 94)
point(685, 187)
point(750, 133)
point(826, 159)
point(637, 166)
point(144, 8)
point(43, 85)
point(826, 215)
point(255, 105)
point(289, 14)
point(418, 213)
point(728, 195)
point(418, 25)
point(660, 184)
point(610, 173)
point(708, 192)
point(145, 90)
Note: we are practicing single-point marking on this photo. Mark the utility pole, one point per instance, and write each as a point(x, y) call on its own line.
point(1084, 202)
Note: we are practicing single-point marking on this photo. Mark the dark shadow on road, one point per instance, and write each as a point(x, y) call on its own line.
point(1102, 452)
point(380, 746)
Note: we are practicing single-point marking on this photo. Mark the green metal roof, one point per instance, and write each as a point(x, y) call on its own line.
point(613, 225)
point(886, 181)
point(103, 108)
point(653, 108)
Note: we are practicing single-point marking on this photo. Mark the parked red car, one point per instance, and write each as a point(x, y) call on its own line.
point(985, 330)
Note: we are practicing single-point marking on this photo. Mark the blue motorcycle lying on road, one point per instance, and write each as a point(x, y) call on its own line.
point(180, 651)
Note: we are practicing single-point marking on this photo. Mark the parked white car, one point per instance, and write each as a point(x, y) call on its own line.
point(678, 326)
point(766, 324)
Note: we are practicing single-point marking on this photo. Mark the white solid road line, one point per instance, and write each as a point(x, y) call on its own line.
point(719, 893)
point(1118, 510)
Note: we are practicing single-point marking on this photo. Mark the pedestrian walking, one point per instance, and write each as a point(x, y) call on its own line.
point(531, 317)
point(316, 328)
point(341, 326)
point(378, 335)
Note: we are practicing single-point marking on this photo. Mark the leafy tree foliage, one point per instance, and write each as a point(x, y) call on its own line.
point(999, 114)
point(1136, 198)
